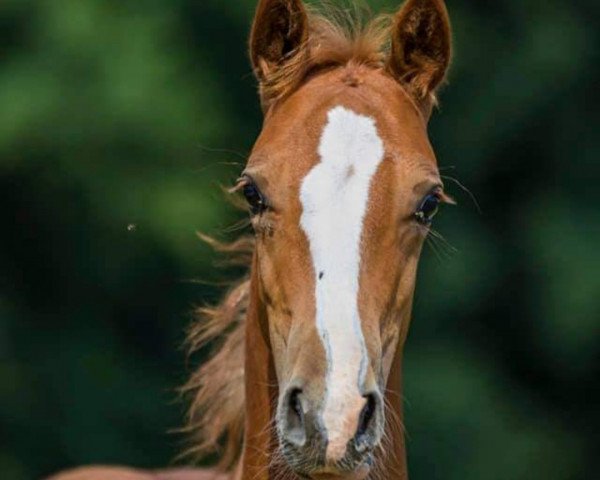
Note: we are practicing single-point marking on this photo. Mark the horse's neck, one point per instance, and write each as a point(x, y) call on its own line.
point(260, 441)
point(394, 461)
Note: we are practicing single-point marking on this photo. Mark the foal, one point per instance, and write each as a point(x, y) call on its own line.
point(342, 186)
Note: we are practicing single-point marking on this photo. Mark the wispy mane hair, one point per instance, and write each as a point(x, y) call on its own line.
point(216, 416)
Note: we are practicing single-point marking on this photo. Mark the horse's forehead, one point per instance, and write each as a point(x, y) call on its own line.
point(289, 142)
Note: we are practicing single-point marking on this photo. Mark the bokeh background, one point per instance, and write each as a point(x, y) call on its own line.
point(120, 120)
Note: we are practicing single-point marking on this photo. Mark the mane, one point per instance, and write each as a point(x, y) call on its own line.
point(337, 37)
point(216, 415)
point(215, 418)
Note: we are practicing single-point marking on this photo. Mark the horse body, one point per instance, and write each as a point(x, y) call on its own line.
point(116, 473)
point(342, 185)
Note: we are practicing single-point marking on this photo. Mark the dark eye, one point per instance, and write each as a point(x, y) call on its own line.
point(254, 198)
point(428, 209)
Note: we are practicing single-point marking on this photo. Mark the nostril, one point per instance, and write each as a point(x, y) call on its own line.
point(367, 416)
point(292, 420)
point(294, 404)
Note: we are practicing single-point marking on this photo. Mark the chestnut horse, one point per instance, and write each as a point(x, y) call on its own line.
point(342, 185)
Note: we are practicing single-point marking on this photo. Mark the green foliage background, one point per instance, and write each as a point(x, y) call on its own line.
point(119, 119)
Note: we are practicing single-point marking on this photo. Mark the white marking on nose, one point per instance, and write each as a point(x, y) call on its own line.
point(334, 197)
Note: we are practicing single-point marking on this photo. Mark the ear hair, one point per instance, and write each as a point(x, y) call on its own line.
point(421, 49)
point(280, 28)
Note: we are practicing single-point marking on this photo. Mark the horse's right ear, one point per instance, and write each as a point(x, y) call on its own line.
point(279, 32)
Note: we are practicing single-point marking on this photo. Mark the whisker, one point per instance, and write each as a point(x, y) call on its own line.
point(237, 226)
point(224, 150)
point(442, 245)
point(442, 239)
point(434, 248)
point(464, 189)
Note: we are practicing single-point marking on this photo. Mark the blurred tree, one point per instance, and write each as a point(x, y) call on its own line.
point(120, 119)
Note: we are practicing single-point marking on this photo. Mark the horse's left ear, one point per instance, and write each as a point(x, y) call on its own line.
point(421, 48)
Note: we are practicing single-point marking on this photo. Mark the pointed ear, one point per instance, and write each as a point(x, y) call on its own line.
point(421, 48)
point(280, 28)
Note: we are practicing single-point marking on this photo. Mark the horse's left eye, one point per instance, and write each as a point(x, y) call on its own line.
point(254, 198)
point(428, 209)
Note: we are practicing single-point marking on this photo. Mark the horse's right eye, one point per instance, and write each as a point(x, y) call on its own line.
point(255, 199)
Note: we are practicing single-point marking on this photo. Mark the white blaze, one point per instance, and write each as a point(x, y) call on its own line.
point(334, 196)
